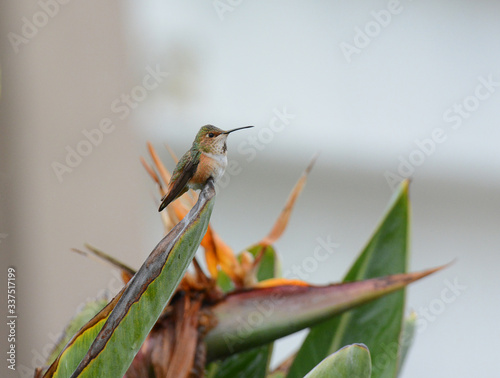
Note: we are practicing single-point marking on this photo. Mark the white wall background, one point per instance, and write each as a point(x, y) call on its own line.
point(364, 114)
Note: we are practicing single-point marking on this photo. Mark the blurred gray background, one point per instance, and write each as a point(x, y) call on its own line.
point(384, 90)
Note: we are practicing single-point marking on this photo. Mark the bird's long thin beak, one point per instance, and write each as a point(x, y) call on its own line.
point(239, 128)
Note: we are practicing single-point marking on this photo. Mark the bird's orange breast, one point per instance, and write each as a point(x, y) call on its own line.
point(206, 167)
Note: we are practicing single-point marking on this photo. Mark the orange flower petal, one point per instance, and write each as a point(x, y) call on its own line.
point(172, 154)
point(164, 173)
point(282, 221)
point(280, 282)
point(151, 172)
point(211, 259)
point(227, 260)
point(208, 240)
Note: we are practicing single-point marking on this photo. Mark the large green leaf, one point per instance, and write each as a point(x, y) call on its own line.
point(352, 361)
point(254, 362)
point(377, 324)
point(118, 331)
point(251, 318)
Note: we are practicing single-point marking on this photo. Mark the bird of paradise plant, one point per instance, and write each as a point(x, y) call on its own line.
point(169, 321)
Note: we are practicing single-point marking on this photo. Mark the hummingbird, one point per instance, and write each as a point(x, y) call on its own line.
point(207, 158)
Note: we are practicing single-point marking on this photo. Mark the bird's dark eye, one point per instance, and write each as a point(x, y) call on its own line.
point(211, 135)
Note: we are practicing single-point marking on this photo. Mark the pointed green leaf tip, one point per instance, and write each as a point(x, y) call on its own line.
point(377, 324)
point(140, 304)
point(350, 361)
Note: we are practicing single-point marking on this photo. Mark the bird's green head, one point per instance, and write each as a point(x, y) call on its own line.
point(211, 139)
